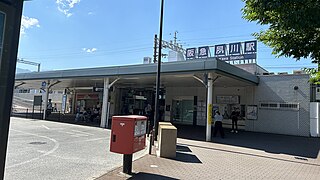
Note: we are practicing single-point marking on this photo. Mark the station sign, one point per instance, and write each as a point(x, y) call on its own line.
point(220, 50)
point(203, 52)
point(191, 53)
point(226, 52)
point(43, 84)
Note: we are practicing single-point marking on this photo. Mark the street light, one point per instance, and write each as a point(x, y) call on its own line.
point(156, 116)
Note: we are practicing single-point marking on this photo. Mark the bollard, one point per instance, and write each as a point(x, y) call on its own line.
point(127, 163)
point(27, 114)
point(151, 140)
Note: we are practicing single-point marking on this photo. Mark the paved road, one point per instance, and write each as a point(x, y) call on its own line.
point(49, 150)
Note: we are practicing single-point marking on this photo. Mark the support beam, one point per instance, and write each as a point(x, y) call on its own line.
point(105, 105)
point(16, 86)
point(200, 80)
point(209, 106)
point(104, 114)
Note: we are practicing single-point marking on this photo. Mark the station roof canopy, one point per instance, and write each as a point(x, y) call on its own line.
point(173, 74)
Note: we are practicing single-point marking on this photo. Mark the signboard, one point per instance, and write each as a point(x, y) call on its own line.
point(37, 101)
point(191, 53)
point(210, 114)
point(2, 24)
point(43, 84)
point(237, 57)
point(250, 46)
point(88, 96)
point(64, 103)
point(97, 89)
point(226, 52)
point(220, 50)
point(139, 128)
point(228, 99)
point(252, 112)
point(234, 48)
point(203, 52)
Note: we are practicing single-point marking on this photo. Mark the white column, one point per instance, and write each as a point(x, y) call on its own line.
point(209, 107)
point(104, 115)
point(74, 103)
point(46, 97)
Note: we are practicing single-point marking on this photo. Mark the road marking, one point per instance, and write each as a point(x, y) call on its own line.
point(68, 133)
point(76, 133)
point(56, 146)
point(79, 135)
point(82, 132)
point(45, 127)
point(87, 140)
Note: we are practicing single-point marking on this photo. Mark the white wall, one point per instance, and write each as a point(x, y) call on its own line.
point(280, 88)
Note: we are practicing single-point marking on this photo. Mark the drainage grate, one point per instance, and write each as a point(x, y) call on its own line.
point(38, 143)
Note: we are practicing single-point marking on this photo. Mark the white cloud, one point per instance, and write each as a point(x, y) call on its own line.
point(90, 13)
point(27, 23)
point(65, 6)
point(88, 50)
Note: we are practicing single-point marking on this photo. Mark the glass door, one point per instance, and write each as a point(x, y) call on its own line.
point(182, 111)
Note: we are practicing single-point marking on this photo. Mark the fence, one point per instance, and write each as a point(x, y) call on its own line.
point(53, 116)
point(35, 114)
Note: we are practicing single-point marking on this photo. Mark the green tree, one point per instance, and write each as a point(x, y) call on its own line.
point(293, 28)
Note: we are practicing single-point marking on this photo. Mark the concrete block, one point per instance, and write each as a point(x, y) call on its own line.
point(167, 141)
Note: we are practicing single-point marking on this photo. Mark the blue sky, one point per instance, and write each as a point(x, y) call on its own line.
point(68, 34)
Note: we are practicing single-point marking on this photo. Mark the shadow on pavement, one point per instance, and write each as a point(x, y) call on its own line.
point(187, 158)
point(148, 176)
point(183, 148)
point(271, 143)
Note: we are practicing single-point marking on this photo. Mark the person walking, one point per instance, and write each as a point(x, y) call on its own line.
point(218, 125)
point(234, 118)
point(49, 108)
point(148, 111)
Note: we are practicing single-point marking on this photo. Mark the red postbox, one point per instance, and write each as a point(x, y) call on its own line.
point(128, 134)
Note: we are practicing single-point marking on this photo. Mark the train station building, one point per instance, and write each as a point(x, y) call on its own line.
point(267, 102)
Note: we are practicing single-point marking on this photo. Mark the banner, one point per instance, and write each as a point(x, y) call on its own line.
point(210, 114)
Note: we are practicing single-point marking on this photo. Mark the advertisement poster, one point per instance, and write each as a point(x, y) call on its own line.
point(252, 112)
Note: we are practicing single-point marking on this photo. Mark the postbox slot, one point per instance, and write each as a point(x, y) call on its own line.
point(114, 138)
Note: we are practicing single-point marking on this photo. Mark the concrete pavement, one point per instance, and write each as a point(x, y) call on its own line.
point(245, 155)
point(40, 150)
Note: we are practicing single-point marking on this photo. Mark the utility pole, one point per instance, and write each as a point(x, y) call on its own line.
point(175, 38)
point(172, 46)
point(10, 22)
point(155, 48)
point(156, 116)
